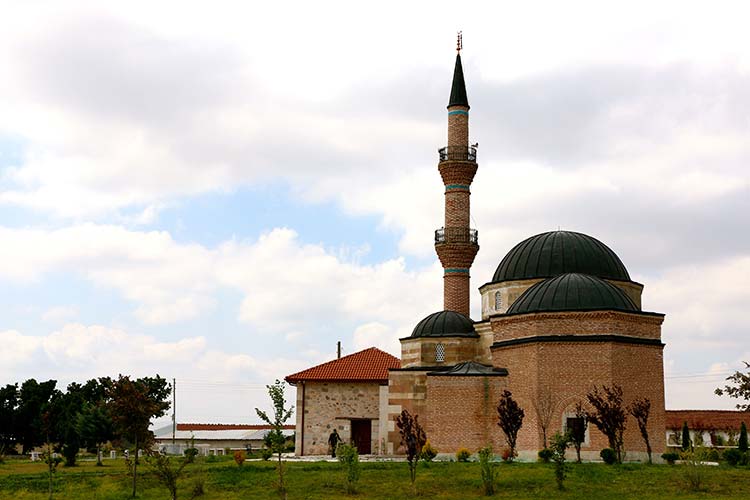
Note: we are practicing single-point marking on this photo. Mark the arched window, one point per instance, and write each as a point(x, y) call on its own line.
point(498, 301)
point(439, 353)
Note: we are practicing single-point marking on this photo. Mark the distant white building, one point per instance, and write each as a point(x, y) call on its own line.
point(214, 439)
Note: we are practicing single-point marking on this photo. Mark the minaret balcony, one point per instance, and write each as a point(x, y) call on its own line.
point(456, 235)
point(458, 153)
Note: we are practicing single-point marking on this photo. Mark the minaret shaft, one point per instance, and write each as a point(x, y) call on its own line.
point(456, 243)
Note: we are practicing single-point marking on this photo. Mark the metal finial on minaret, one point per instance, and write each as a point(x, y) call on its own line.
point(459, 41)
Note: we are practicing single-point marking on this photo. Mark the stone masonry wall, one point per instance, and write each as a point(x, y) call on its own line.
point(328, 405)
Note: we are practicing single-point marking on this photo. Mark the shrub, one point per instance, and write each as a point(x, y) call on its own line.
point(507, 455)
point(670, 457)
point(488, 468)
point(190, 454)
point(735, 457)
point(742, 443)
point(693, 470)
point(462, 455)
point(559, 445)
point(349, 458)
point(545, 455)
point(510, 420)
point(428, 452)
point(413, 438)
point(239, 457)
point(608, 455)
point(266, 454)
point(712, 455)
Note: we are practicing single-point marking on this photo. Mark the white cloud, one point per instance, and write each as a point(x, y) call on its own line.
point(60, 313)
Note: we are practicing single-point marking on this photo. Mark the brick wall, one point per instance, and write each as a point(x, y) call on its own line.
point(577, 323)
point(461, 412)
point(458, 127)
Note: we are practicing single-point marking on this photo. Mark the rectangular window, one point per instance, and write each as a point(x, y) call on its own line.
point(574, 425)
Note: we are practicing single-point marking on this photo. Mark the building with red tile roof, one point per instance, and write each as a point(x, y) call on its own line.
point(370, 365)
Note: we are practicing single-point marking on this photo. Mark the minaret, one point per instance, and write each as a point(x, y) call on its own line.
point(456, 243)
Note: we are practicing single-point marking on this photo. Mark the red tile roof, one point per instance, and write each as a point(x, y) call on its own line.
point(706, 419)
point(226, 427)
point(370, 365)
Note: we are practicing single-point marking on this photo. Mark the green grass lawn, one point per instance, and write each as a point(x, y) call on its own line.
point(223, 479)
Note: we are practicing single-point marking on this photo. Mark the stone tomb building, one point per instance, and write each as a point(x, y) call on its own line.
point(559, 317)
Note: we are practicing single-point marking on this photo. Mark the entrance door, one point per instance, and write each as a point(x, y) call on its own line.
point(362, 436)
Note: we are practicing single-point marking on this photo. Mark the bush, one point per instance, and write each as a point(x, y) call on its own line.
point(559, 445)
point(489, 471)
point(190, 454)
point(608, 455)
point(693, 469)
point(239, 457)
point(462, 455)
point(428, 452)
point(508, 454)
point(545, 455)
point(735, 457)
point(265, 453)
point(349, 458)
point(742, 444)
point(712, 455)
point(670, 457)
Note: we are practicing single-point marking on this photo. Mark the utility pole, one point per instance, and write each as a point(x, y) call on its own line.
point(174, 410)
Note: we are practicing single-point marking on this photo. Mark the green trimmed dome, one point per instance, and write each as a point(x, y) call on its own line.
point(445, 324)
point(572, 292)
point(558, 252)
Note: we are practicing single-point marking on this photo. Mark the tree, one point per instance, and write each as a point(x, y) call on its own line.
point(280, 415)
point(33, 401)
point(8, 408)
point(94, 427)
point(578, 433)
point(544, 407)
point(741, 389)
point(166, 472)
point(132, 404)
point(413, 439)
point(685, 437)
point(742, 443)
point(510, 419)
point(640, 409)
point(608, 415)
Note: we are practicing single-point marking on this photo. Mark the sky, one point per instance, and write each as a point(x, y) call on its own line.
point(218, 194)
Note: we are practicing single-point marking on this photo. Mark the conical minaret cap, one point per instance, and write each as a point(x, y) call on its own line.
point(458, 89)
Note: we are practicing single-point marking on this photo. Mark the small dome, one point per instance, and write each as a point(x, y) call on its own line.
point(557, 252)
point(572, 292)
point(445, 324)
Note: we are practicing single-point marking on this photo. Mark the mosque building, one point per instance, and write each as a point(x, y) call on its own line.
point(560, 316)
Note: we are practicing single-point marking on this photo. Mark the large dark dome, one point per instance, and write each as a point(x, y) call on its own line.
point(445, 324)
point(550, 254)
point(572, 292)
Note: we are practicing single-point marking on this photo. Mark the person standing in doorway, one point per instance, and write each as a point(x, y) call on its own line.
point(334, 439)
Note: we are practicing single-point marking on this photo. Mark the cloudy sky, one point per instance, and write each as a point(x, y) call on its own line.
point(219, 195)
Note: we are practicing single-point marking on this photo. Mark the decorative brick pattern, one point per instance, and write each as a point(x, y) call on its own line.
point(457, 172)
point(458, 126)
